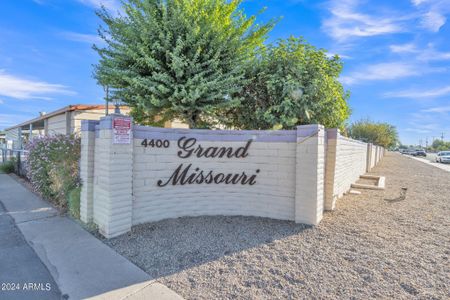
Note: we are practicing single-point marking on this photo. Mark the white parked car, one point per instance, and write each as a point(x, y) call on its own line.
point(443, 157)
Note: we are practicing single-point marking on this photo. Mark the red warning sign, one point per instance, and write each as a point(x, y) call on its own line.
point(121, 130)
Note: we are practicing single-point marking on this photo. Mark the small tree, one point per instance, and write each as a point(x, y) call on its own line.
point(291, 83)
point(440, 145)
point(382, 134)
point(180, 59)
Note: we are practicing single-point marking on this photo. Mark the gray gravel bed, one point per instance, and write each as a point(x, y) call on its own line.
point(374, 245)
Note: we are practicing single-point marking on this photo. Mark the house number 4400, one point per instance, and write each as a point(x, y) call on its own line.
point(155, 143)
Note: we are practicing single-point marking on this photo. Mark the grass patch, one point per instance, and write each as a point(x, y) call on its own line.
point(7, 167)
point(73, 202)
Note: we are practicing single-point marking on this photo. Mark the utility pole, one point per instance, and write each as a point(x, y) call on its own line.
point(426, 143)
point(442, 136)
point(107, 101)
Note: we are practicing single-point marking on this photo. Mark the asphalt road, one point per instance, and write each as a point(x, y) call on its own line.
point(22, 273)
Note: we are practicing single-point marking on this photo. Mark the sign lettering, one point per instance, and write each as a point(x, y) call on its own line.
point(121, 130)
point(188, 174)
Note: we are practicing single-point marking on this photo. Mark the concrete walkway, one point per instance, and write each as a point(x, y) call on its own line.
point(81, 265)
point(22, 274)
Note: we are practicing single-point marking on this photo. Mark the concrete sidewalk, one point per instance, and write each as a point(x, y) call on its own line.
point(22, 273)
point(81, 265)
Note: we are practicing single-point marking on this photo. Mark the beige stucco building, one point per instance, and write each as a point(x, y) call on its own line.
point(66, 120)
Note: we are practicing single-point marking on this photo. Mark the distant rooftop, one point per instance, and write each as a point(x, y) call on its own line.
point(43, 116)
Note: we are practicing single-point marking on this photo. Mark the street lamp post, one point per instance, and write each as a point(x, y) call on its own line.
point(116, 106)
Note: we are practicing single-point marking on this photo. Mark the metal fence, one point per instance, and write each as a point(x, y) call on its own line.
point(18, 157)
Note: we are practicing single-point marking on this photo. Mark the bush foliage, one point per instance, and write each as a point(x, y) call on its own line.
point(177, 59)
point(291, 83)
point(7, 167)
point(52, 166)
point(204, 62)
point(382, 134)
point(440, 145)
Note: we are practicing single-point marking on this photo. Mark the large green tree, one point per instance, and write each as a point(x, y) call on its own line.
point(180, 59)
point(291, 83)
point(382, 134)
point(440, 145)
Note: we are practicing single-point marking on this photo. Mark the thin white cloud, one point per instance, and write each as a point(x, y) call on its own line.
point(81, 37)
point(421, 123)
point(382, 71)
point(351, 19)
point(418, 130)
point(21, 88)
point(437, 109)
point(418, 2)
point(403, 48)
point(343, 56)
point(108, 4)
point(431, 54)
point(7, 120)
point(427, 54)
point(416, 94)
point(346, 22)
point(420, 127)
point(112, 5)
point(1, 101)
point(427, 121)
point(433, 20)
point(433, 13)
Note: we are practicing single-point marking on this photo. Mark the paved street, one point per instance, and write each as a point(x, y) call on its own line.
point(22, 274)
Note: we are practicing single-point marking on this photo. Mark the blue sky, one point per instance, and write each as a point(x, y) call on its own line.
point(396, 56)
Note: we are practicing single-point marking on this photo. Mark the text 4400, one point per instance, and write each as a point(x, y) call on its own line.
point(155, 143)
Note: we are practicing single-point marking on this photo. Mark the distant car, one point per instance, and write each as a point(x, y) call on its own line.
point(443, 157)
point(409, 152)
point(419, 153)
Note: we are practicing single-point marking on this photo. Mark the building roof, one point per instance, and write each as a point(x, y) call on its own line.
point(74, 107)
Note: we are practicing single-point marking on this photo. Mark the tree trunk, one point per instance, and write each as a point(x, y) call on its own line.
point(193, 120)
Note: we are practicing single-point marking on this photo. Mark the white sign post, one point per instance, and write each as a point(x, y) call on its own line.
point(121, 130)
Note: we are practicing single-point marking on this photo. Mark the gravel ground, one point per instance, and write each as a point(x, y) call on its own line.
point(374, 245)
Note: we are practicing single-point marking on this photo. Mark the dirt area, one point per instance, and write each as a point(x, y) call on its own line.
point(380, 244)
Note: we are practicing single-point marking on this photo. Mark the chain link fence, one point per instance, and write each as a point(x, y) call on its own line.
point(18, 157)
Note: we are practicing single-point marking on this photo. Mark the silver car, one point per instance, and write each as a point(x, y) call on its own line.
point(443, 157)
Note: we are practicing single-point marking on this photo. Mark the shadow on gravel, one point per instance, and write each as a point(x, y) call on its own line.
point(401, 197)
point(170, 246)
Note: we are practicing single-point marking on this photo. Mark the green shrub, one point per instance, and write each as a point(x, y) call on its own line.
point(7, 167)
point(52, 166)
point(73, 202)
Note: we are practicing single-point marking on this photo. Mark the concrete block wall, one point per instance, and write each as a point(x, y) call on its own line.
point(272, 154)
point(373, 157)
point(346, 161)
point(376, 153)
point(296, 174)
point(87, 169)
point(310, 174)
point(113, 173)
